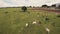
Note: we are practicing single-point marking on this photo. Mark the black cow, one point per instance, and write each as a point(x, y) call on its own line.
point(24, 9)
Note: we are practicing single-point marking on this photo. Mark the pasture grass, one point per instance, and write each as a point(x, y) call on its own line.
point(13, 22)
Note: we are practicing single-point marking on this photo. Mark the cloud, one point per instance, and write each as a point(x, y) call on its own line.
point(12, 2)
point(5, 3)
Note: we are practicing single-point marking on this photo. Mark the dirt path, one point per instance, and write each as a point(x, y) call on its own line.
point(49, 10)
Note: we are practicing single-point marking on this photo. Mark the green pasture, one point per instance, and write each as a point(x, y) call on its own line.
point(13, 20)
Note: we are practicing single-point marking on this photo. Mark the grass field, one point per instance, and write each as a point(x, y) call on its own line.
point(13, 20)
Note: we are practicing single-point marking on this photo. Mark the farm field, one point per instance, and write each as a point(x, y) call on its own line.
point(13, 20)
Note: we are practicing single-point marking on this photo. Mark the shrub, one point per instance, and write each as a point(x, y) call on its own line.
point(58, 15)
point(46, 18)
point(6, 12)
point(53, 24)
point(39, 22)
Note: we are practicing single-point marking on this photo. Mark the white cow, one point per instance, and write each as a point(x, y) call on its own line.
point(26, 24)
point(48, 30)
point(34, 22)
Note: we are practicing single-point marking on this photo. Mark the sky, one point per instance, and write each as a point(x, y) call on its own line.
point(11, 3)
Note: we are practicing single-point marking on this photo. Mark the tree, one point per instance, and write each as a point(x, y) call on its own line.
point(44, 5)
point(24, 9)
point(59, 6)
point(54, 5)
point(30, 6)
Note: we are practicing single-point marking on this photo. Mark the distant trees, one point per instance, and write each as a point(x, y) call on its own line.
point(44, 6)
point(24, 9)
point(54, 5)
point(30, 6)
point(59, 7)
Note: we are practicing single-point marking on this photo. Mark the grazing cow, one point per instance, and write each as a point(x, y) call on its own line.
point(48, 30)
point(26, 24)
point(24, 9)
point(34, 22)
